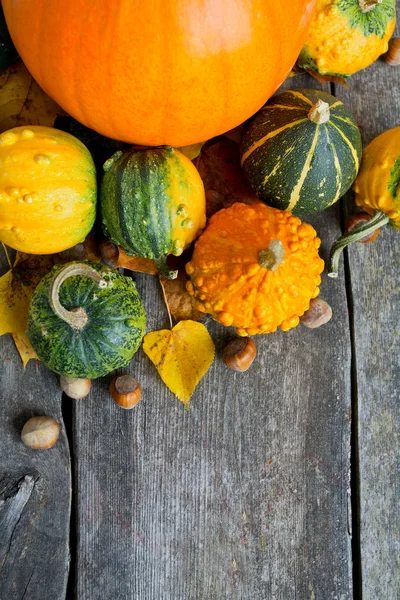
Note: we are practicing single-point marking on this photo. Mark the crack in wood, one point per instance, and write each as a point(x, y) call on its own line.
point(27, 585)
point(13, 499)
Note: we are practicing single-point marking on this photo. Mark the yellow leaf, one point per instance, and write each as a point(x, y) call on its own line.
point(24, 348)
point(16, 288)
point(23, 102)
point(14, 303)
point(192, 151)
point(182, 356)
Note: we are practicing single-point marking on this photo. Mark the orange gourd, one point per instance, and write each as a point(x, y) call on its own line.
point(255, 268)
point(157, 72)
point(47, 190)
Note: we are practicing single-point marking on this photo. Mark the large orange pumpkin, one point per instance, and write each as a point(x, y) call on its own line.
point(157, 72)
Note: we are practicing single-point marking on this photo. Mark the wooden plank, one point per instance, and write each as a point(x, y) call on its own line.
point(243, 496)
point(35, 486)
point(374, 98)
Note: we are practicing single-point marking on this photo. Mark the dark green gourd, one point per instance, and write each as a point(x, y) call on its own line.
point(85, 320)
point(301, 152)
point(152, 203)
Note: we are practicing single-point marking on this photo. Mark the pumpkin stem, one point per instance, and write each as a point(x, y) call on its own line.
point(273, 256)
point(319, 113)
point(77, 317)
point(378, 220)
point(162, 268)
point(368, 5)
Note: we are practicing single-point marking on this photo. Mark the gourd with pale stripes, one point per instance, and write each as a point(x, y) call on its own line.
point(152, 203)
point(301, 152)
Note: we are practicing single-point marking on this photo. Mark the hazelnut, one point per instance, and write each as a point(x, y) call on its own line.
point(318, 314)
point(125, 391)
point(40, 433)
point(109, 253)
point(75, 388)
point(239, 353)
point(392, 56)
point(358, 219)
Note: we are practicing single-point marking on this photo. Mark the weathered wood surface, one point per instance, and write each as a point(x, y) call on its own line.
point(374, 97)
point(243, 496)
point(35, 486)
point(246, 495)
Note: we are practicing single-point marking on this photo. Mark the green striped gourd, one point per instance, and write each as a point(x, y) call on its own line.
point(85, 320)
point(152, 203)
point(301, 152)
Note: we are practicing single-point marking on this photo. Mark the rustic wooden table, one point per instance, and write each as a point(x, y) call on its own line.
point(280, 483)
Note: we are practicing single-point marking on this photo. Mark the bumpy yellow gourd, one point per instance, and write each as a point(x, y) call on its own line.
point(47, 190)
point(347, 35)
point(377, 186)
point(255, 268)
point(377, 191)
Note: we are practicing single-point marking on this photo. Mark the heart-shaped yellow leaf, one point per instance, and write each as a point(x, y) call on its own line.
point(181, 355)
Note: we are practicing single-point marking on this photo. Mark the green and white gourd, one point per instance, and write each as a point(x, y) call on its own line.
point(85, 320)
point(152, 203)
point(301, 152)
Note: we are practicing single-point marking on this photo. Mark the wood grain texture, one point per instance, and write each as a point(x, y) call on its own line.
point(374, 97)
point(245, 495)
point(35, 486)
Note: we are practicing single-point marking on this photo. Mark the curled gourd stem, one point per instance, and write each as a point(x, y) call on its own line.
point(273, 256)
point(319, 113)
point(378, 220)
point(368, 5)
point(76, 318)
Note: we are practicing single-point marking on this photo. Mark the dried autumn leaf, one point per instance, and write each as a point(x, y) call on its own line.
point(182, 356)
point(181, 304)
point(136, 263)
point(23, 102)
point(114, 256)
point(220, 170)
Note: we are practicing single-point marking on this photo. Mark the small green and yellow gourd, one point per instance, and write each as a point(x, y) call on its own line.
point(347, 35)
point(152, 203)
point(377, 191)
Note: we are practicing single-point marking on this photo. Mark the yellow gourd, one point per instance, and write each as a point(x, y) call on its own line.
point(255, 268)
point(47, 190)
point(377, 191)
point(347, 35)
